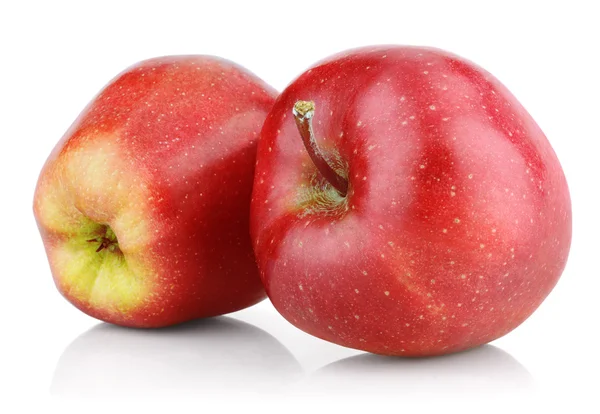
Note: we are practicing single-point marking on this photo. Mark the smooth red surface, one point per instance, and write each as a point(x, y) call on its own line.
point(457, 223)
point(187, 127)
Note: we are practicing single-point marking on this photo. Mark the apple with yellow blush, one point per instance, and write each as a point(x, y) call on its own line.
point(143, 205)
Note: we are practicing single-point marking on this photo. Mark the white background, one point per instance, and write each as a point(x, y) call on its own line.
point(55, 57)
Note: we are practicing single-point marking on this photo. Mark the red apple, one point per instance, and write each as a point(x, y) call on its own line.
point(427, 214)
point(143, 206)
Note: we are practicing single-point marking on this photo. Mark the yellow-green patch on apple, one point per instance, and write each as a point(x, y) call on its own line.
point(95, 212)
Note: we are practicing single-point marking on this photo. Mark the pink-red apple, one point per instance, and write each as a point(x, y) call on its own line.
point(143, 206)
point(426, 212)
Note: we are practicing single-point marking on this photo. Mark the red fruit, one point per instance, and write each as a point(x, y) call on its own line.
point(457, 220)
point(143, 205)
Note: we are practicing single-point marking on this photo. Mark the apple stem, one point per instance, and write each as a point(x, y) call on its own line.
point(303, 114)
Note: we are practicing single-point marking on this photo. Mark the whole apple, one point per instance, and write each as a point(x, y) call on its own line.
point(143, 206)
point(426, 212)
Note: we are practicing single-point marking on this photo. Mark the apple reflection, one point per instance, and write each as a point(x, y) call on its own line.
point(486, 369)
point(205, 355)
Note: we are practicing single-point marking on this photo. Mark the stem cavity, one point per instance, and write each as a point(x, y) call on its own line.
point(303, 113)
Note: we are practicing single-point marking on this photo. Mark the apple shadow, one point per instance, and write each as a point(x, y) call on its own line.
point(210, 355)
point(486, 369)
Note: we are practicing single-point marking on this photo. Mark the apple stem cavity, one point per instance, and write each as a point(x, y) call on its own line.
point(304, 112)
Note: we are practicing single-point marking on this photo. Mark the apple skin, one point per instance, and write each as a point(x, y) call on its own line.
point(457, 221)
point(159, 166)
